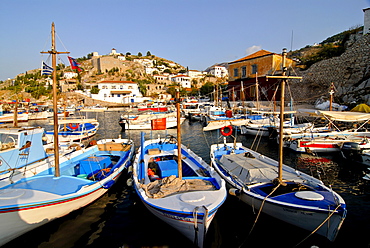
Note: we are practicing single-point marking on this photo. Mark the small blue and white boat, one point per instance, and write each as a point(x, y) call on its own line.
point(177, 186)
point(74, 130)
point(301, 200)
point(186, 200)
point(276, 189)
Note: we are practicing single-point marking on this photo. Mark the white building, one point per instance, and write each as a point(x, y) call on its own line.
point(195, 74)
point(183, 80)
point(113, 52)
point(144, 62)
point(218, 71)
point(366, 20)
point(118, 92)
point(69, 75)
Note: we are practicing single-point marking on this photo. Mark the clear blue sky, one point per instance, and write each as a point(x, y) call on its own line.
point(193, 33)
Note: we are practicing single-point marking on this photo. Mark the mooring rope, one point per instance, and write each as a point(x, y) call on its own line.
point(317, 228)
point(259, 212)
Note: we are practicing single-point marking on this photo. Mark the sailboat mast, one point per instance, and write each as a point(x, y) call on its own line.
point(179, 155)
point(331, 92)
point(282, 102)
point(242, 93)
point(55, 112)
point(54, 53)
point(257, 93)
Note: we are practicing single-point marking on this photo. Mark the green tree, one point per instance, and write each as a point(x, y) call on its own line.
point(139, 54)
point(206, 88)
point(148, 53)
point(94, 90)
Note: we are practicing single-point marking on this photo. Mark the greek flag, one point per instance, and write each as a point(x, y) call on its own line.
point(46, 70)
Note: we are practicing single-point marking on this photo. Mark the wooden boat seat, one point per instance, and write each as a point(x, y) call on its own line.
point(113, 146)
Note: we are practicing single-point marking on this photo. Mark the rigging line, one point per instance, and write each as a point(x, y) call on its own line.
point(259, 212)
point(317, 228)
point(61, 41)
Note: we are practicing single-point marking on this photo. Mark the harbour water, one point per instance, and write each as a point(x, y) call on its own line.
point(119, 219)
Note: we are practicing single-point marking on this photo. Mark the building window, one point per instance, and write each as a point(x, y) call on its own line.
point(254, 69)
point(130, 87)
point(236, 72)
point(113, 87)
point(244, 72)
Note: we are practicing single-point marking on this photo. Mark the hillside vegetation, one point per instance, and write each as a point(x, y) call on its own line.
point(32, 84)
point(331, 47)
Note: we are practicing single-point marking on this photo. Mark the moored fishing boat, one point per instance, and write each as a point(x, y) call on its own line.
point(330, 139)
point(177, 186)
point(279, 190)
point(145, 121)
point(73, 130)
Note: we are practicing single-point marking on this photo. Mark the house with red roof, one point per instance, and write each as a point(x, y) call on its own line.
point(246, 72)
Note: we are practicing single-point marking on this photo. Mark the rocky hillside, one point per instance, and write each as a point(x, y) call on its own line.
point(349, 72)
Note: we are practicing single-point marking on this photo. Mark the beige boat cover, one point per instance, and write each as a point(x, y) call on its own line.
point(253, 170)
point(213, 125)
point(346, 116)
point(173, 185)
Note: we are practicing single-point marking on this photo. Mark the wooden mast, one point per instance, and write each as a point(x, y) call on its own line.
point(257, 93)
point(15, 122)
point(179, 155)
point(54, 53)
point(242, 93)
point(282, 102)
point(331, 92)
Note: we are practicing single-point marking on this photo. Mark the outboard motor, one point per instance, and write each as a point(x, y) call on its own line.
point(351, 150)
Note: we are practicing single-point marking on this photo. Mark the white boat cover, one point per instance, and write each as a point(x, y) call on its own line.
point(346, 116)
point(213, 125)
point(253, 170)
point(336, 115)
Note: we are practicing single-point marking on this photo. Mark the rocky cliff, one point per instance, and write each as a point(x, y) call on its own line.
point(349, 72)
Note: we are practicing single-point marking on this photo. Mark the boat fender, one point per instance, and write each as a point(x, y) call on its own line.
point(73, 126)
point(228, 131)
point(234, 192)
point(129, 182)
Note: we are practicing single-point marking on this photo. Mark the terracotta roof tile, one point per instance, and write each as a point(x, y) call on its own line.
point(257, 54)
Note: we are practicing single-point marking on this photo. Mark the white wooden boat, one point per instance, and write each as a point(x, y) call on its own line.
point(177, 186)
point(147, 120)
point(9, 118)
point(321, 140)
point(190, 210)
point(45, 197)
point(74, 130)
point(279, 190)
